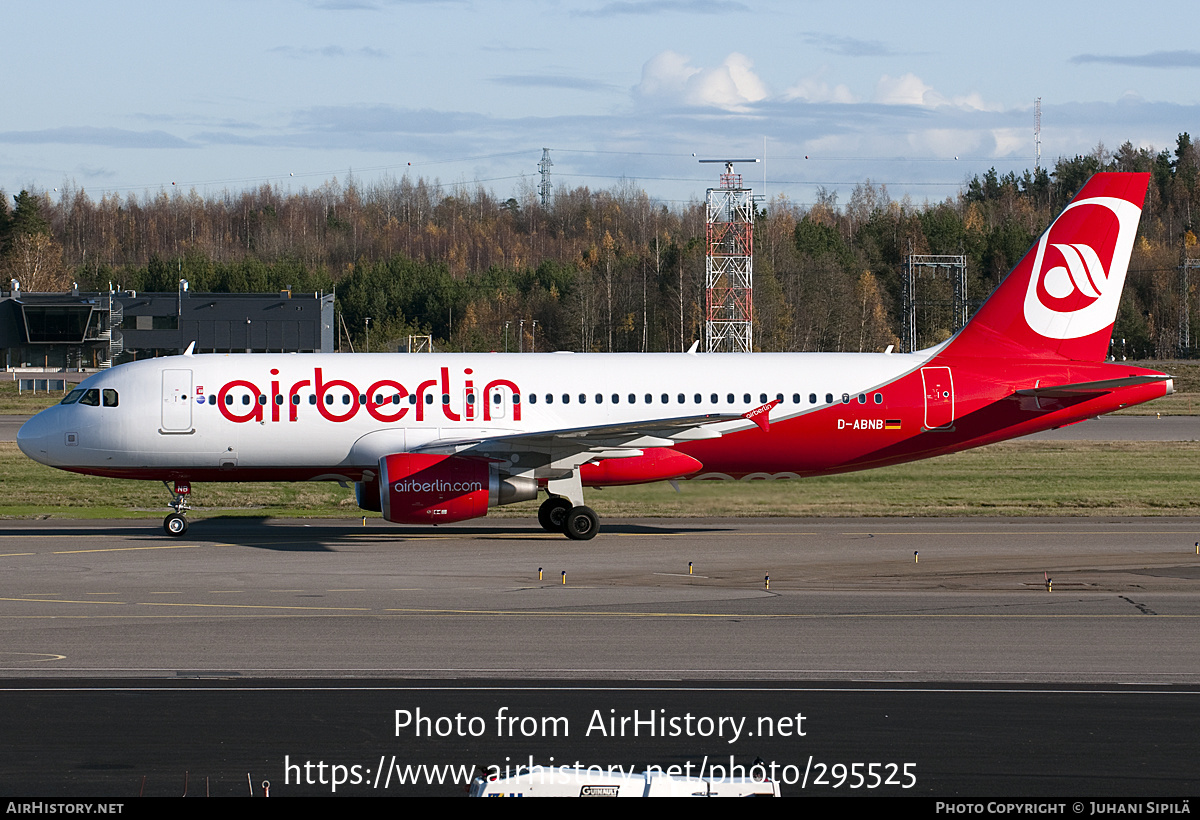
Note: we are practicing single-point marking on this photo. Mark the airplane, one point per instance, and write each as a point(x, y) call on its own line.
point(439, 438)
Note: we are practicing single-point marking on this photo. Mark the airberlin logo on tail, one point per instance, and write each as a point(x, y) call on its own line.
point(1079, 268)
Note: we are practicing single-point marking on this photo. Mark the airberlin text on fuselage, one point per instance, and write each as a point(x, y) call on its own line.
point(391, 410)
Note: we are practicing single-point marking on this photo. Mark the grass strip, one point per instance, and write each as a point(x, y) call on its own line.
point(1013, 479)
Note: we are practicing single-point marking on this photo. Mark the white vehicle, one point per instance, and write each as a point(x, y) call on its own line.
point(566, 781)
point(436, 438)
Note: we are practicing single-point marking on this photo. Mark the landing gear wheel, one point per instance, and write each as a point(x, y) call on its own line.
point(175, 524)
point(582, 524)
point(552, 515)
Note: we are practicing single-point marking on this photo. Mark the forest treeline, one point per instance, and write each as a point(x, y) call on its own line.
point(597, 270)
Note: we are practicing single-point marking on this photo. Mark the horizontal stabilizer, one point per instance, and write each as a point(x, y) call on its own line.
point(1064, 391)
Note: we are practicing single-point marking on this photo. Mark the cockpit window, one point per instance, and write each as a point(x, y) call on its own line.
point(72, 397)
point(110, 397)
point(91, 398)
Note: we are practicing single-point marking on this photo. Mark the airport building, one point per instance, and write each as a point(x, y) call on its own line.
point(80, 331)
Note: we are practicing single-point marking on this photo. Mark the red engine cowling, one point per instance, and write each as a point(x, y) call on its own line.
point(654, 464)
point(420, 488)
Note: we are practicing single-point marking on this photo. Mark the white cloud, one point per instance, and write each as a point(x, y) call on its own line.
point(816, 90)
point(906, 90)
point(671, 77)
point(1012, 141)
point(912, 90)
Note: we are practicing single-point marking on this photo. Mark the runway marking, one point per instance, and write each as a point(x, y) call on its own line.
point(160, 603)
point(1005, 534)
point(62, 601)
point(758, 616)
point(133, 549)
point(38, 657)
point(15, 554)
point(261, 606)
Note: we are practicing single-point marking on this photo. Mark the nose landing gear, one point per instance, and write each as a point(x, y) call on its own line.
point(176, 524)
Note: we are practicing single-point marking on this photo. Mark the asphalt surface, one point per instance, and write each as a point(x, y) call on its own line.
point(847, 599)
point(130, 661)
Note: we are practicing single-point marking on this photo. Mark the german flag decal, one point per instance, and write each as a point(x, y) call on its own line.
point(891, 424)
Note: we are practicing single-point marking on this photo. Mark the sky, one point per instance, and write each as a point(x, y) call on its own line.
point(137, 97)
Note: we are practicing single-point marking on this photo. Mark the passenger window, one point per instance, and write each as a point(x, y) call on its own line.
point(680, 398)
point(845, 398)
point(228, 399)
point(829, 398)
point(599, 398)
point(812, 398)
point(633, 398)
point(762, 398)
point(713, 398)
point(879, 398)
point(495, 398)
point(616, 398)
point(729, 398)
point(262, 399)
point(278, 399)
point(549, 398)
point(516, 398)
point(862, 398)
point(329, 398)
point(745, 398)
point(295, 399)
point(532, 398)
point(245, 399)
point(110, 397)
point(429, 398)
point(566, 398)
point(445, 398)
point(696, 398)
point(346, 398)
point(665, 398)
point(583, 398)
point(649, 399)
point(795, 398)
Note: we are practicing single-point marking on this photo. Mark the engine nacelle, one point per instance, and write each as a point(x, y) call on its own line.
point(421, 488)
point(654, 464)
point(367, 495)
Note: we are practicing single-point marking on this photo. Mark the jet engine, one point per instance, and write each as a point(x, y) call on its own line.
point(421, 488)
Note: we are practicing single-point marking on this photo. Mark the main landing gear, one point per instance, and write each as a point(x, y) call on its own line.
point(579, 523)
point(176, 524)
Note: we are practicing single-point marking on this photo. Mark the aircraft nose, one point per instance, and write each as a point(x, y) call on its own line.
point(35, 438)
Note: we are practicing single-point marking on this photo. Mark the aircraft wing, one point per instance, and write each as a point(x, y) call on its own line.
point(1065, 391)
point(594, 441)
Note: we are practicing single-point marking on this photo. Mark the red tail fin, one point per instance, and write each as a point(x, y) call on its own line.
point(1061, 299)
